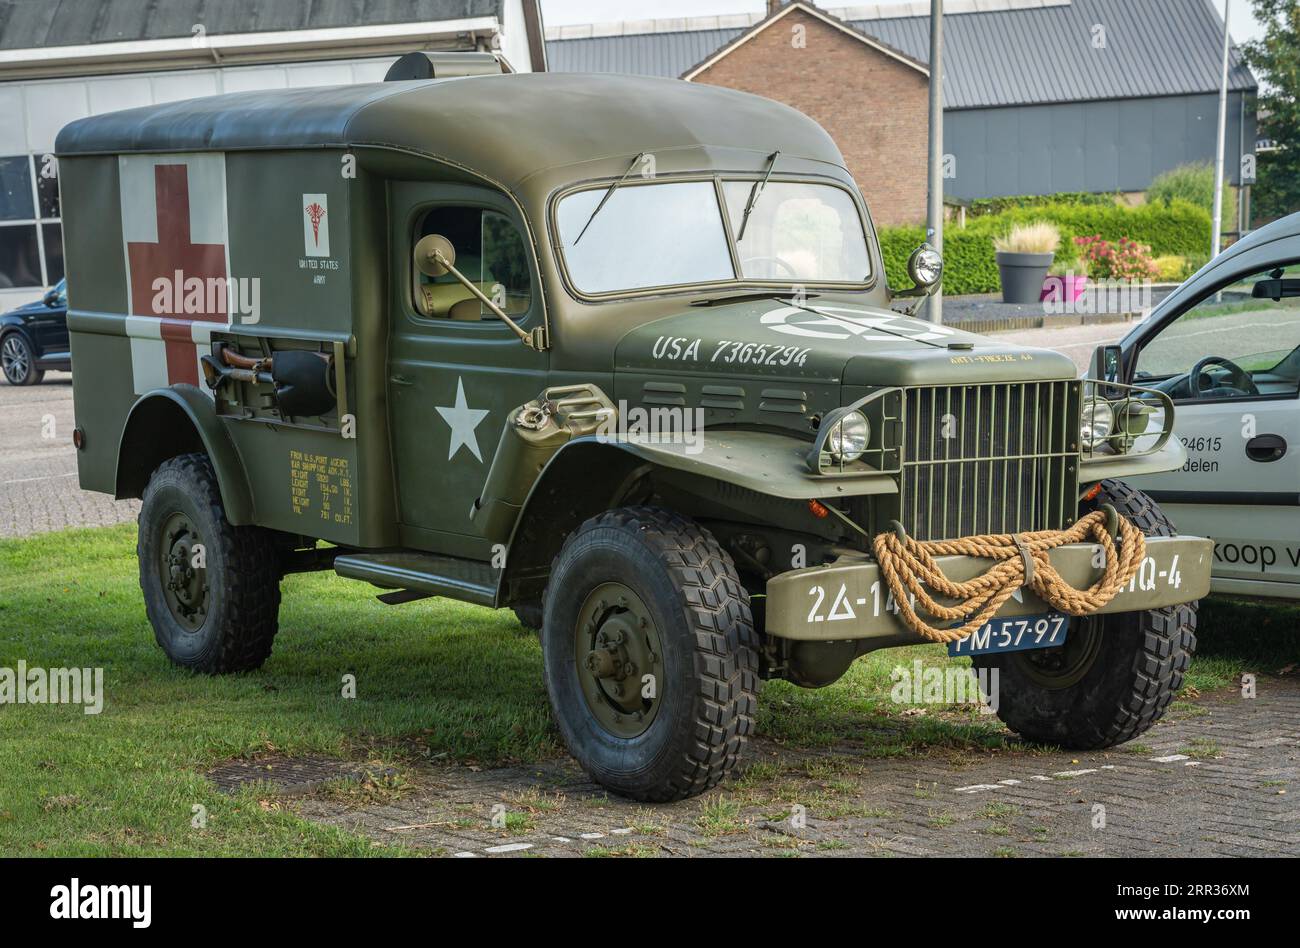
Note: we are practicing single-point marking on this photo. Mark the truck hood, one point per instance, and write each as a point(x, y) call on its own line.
point(832, 341)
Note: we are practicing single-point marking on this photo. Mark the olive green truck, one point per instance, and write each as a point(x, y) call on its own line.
point(619, 354)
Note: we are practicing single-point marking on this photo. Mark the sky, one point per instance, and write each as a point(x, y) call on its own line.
point(561, 12)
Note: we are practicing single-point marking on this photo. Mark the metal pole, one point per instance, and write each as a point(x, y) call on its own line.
point(934, 208)
point(1223, 133)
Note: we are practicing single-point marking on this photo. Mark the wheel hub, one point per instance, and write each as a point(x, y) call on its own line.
point(1065, 666)
point(185, 585)
point(620, 663)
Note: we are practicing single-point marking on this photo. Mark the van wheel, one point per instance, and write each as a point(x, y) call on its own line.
point(211, 590)
point(18, 361)
point(650, 654)
point(1115, 675)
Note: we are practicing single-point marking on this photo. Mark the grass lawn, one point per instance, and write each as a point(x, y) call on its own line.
point(434, 679)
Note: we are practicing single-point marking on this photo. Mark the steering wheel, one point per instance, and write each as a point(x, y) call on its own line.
point(789, 269)
point(1201, 383)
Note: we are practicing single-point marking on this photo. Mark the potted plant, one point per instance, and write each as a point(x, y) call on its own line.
point(1067, 281)
point(1024, 256)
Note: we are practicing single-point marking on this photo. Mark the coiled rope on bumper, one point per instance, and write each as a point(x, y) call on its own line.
point(1022, 560)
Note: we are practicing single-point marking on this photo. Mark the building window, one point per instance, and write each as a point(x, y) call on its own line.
point(31, 235)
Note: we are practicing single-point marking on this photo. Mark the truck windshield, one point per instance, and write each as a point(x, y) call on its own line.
point(672, 234)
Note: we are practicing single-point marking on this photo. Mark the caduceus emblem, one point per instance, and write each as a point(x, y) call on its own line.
point(314, 214)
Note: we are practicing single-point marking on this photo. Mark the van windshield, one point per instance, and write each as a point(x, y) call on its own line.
point(668, 234)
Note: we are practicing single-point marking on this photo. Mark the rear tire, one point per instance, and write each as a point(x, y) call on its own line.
point(216, 610)
point(1116, 673)
point(18, 360)
point(643, 594)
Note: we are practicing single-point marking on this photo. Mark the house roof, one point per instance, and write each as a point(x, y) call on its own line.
point(30, 24)
point(1029, 52)
point(812, 11)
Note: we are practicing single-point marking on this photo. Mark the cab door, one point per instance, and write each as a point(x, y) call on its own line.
point(1232, 364)
point(455, 371)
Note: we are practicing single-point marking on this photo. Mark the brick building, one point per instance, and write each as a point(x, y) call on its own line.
point(816, 63)
point(1040, 96)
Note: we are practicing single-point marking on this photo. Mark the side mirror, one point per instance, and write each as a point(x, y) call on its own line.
point(435, 255)
point(1107, 364)
point(51, 298)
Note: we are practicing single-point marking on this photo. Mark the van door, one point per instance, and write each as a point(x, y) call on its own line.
point(55, 340)
point(455, 371)
point(1232, 365)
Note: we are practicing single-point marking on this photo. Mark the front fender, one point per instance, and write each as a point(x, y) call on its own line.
point(588, 475)
point(1170, 457)
point(167, 422)
point(769, 463)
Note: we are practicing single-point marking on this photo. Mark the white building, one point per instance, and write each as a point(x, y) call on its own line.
point(65, 59)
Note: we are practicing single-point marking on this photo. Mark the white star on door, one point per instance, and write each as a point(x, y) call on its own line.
point(463, 421)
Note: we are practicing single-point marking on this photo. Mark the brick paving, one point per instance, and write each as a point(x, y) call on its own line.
point(1219, 777)
point(38, 464)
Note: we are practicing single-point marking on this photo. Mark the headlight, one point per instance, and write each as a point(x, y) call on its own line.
point(848, 437)
point(925, 266)
point(1097, 425)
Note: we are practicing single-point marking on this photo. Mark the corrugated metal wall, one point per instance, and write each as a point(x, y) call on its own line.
point(1115, 145)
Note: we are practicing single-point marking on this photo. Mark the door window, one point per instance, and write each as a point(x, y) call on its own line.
point(1240, 342)
point(490, 252)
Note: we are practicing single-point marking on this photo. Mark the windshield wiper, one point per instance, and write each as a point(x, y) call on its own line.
point(609, 194)
point(757, 295)
point(754, 192)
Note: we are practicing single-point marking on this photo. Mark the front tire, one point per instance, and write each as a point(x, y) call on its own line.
point(649, 650)
point(1116, 673)
point(211, 590)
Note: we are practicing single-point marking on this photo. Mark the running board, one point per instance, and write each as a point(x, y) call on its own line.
point(466, 580)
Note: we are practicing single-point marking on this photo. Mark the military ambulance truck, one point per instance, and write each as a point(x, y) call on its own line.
point(617, 353)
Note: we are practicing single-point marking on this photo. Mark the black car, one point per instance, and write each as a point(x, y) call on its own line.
point(34, 338)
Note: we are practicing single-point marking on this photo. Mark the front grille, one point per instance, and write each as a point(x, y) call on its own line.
point(989, 459)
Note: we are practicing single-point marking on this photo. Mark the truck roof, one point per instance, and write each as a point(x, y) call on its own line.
point(503, 127)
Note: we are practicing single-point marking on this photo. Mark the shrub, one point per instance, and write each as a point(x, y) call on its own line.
point(1171, 268)
point(1123, 260)
point(1193, 183)
point(969, 265)
point(1038, 237)
point(985, 206)
point(1180, 227)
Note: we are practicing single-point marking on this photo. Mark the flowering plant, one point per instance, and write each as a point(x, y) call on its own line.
point(1122, 260)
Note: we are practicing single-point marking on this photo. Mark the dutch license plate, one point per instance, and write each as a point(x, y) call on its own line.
point(1014, 634)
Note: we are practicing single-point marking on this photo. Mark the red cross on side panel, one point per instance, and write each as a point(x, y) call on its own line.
point(173, 257)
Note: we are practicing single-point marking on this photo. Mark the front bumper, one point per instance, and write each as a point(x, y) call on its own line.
point(848, 599)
